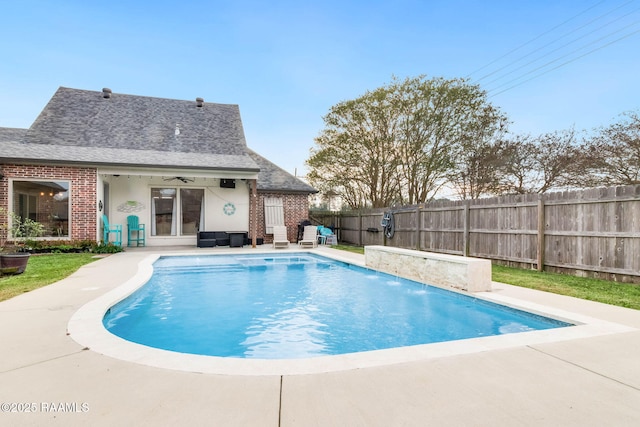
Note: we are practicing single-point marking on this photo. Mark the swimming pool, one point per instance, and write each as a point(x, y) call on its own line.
point(287, 306)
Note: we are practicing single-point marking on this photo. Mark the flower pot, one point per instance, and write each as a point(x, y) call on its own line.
point(13, 263)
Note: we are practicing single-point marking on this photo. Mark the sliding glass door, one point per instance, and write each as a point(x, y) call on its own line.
point(192, 210)
point(170, 207)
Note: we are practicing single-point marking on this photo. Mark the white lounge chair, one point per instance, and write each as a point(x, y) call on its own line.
point(280, 240)
point(309, 237)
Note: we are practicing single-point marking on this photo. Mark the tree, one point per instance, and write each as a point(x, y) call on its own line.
point(520, 172)
point(613, 154)
point(395, 144)
point(543, 163)
point(436, 116)
point(559, 159)
point(356, 156)
point(479, 157)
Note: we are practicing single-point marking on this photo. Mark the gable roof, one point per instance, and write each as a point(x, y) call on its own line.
point(85, 127)
point(86, 118)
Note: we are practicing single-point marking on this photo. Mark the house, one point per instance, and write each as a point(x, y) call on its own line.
point(180, 166)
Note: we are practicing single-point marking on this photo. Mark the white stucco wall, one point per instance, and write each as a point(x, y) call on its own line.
point(133, 192)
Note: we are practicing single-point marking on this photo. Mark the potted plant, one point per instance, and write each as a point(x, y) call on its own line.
point(18, 230)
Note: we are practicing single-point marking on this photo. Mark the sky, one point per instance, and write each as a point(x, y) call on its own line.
point(548, 65)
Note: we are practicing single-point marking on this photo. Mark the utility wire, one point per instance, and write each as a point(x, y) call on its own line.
point(564, 56)
point(565, 45)
point(559, 38)
point(567, 62)
point(533, 39)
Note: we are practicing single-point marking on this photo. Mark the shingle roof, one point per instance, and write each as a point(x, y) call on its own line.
point(12, 134)
point(86, 119)
point(83, 127)
point(66, 154)
point(273, 178)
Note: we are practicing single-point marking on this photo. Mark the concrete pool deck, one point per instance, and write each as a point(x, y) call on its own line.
point(592, 380)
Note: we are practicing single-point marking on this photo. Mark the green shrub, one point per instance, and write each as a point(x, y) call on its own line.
point(108, 248)
point(57, 246)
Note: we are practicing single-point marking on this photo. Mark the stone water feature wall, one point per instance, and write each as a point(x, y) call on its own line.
point(458, 272)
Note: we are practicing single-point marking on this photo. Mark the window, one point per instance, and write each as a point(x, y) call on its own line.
point(273, 213)
point(165, 214)
point(163, 211)
point(46, 202)
point(191, 202)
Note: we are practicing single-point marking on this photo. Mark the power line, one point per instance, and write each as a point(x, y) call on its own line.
point(564, 56)
point(525, 71)
point(533, 39)
point(568, 62)
point(561, 37)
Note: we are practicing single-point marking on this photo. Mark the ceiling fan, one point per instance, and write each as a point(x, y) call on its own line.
point(179, 178)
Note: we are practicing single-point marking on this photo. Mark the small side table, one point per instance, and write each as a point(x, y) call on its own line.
point(236, 239)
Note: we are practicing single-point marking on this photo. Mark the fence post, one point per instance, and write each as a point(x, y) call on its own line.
point(417, 222)
point(360, 228)
point(384, 235)
point(466, 226)
point(541, 228)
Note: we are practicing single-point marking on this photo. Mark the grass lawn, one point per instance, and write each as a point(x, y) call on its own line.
point(42, 270)
point(614, 293)
point(349, 248)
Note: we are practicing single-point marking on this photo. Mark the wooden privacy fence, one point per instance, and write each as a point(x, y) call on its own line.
point(593, 232)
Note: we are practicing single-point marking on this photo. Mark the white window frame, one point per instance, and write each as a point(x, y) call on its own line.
point(179, 232)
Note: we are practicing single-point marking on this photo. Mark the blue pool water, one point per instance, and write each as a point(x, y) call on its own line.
point(298, 305)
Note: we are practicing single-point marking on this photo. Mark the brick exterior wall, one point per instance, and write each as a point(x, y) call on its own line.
point(83, 193)
point(84, 200)
point(4, 203)
point(296, 209)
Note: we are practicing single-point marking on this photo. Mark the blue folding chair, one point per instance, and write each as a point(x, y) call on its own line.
point(135, 231)
point(114, 229)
